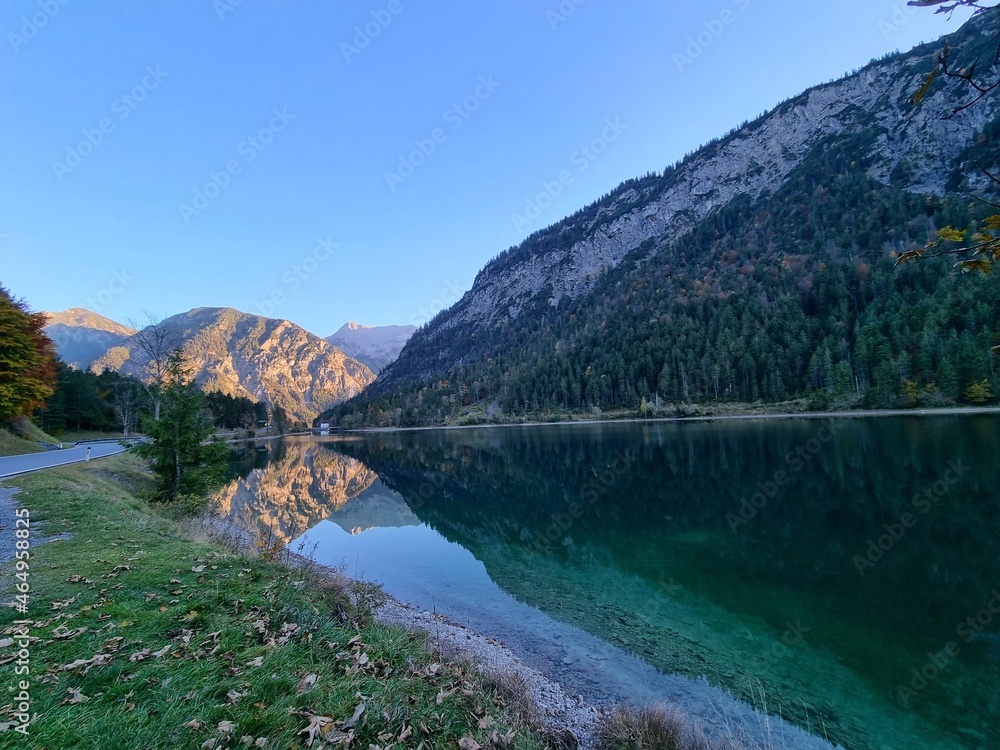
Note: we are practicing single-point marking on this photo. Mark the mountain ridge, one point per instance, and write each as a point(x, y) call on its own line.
point(718, 172)
point(864, 122)
point(242, 354)
point(374, 346)
point(81, 335)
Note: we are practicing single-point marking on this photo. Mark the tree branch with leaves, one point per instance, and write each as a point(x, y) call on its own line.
point(946, 67)
point(979, 245)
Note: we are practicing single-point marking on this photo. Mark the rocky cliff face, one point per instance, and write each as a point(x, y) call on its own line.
point(82, 336)
point(872, 111)
point(270, 360)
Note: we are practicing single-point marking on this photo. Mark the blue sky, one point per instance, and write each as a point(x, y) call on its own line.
point(362, 160)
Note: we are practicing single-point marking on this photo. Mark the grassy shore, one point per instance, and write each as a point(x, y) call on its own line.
point(144, 636)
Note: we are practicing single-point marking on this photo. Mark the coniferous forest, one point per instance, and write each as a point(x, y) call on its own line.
point(796, 296)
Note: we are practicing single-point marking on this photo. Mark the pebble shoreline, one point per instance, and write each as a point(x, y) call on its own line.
point(557, 710)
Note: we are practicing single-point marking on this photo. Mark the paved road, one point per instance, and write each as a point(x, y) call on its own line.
point(11, 465)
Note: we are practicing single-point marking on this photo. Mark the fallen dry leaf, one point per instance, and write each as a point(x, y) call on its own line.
point(140, 655)
point(75, 696)
point(355, 718)
point(467, 743)
point(305, 683)
point(315, 729)
point(113, 645)
point(97, 661)
point(225, 727)
point(62, 633)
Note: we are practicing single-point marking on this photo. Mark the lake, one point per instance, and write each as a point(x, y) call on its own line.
point(843, 574)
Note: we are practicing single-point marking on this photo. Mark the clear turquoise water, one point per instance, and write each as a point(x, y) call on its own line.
point(867, 548)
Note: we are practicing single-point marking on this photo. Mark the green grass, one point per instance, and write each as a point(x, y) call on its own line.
point(196, 643)
point(28, 430)
point(12, 445)
point(20, 437)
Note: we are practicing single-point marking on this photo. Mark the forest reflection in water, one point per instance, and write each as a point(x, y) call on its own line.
point(823, 561)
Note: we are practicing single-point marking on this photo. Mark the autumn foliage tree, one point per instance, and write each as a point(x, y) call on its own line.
point(27, 359)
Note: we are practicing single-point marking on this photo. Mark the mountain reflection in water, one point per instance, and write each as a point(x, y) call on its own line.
point(639, 536)
point(287, 487)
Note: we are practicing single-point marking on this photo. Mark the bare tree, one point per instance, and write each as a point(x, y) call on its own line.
point(249, 422)
point(158, 341)
point(126, 401)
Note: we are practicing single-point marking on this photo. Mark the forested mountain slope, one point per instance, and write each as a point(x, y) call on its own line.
point(760, 268)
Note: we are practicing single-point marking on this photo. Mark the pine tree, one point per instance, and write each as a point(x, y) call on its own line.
point(184, 461)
